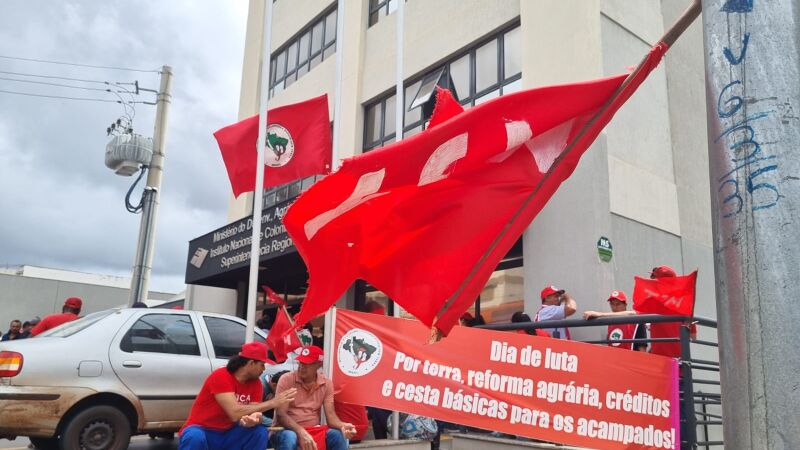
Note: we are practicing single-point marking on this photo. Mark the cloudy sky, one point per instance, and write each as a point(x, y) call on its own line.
point(60, 206)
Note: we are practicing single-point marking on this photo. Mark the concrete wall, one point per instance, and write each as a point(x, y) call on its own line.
point(24, 298)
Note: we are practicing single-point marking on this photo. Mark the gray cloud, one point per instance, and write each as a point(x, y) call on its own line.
point(60, 206)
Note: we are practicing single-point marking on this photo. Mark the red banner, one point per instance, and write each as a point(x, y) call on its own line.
point(549, 389)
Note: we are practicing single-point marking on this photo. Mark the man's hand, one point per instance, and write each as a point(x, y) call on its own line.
point(305, 441)
point(250, 420)
point(284, 397)
point(588, 315)
point(348, 430)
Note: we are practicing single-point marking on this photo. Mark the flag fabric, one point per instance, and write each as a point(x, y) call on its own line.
point(273, 297)
point(667, 296)
point(298, 145)
point(280, 340)
point(426, 220)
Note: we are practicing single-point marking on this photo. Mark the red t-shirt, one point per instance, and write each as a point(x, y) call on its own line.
point(52, 321)
point(207, 413)
point(667, 330)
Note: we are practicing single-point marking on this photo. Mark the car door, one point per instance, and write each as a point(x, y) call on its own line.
point(225, 337)
point(161, 358)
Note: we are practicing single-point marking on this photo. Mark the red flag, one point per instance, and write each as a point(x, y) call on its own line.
point(298, 145)
point(427, 220)
point(668, 296)
point(273, 297)
point(280, 340)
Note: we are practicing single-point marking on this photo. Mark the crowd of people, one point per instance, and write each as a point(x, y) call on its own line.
point(30, 328)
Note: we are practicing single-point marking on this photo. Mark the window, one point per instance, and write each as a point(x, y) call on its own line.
point(313, 44)
point(81, 323)
point(227, 336)
point(162, 333)
point(487, 70)
point(285, 192)
point(380, 8)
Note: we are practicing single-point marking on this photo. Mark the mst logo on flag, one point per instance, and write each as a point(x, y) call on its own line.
point(359, 352)
point(280, 141)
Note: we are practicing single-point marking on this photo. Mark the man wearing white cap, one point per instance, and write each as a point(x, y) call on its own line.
point(556, 305)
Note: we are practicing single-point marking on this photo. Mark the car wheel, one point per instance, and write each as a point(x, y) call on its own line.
point(97, 428)
point(45, 443)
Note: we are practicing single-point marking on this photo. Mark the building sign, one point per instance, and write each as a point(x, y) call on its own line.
point(604, 249)
point(550, 389)
point(228, 248)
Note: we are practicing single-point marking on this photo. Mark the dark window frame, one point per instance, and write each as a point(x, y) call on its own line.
point(503, 81)
point(289, 77)
point(127, 345)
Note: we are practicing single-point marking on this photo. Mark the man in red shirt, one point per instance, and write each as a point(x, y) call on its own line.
point(69, 312)
point(301, 417)
point(667, 329)
point(227, 412)
point(618, 302)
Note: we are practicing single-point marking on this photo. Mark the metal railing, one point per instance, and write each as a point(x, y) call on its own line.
point(699, 428)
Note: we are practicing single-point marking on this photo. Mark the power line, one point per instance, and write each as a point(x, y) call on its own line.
point(52, 77)
point(55, 84)
point(77, 65)
point(61, 97)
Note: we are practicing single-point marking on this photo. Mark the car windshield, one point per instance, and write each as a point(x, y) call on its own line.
point(70, 328)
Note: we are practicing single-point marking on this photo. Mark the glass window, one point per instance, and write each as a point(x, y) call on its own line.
point(81, 323)
point(294, 189)
point(307, 182)
point(459, 74)
point(282, 195)
point(315, 60)
point(390, 113)
point(512, 52)
point(291, 57)
point(487, 96)
point(162, 333)
point(303, 50)
point(372, 123)
point(486, 66)
point(227, 336)
point(328, 51)
point(512, 87)
point(316, 38)
point(280, 68)
point(330, 27)
point(427, 87)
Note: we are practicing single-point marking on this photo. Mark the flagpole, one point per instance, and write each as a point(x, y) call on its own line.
point(255, 245)
point(337, 102)
point(399, 102)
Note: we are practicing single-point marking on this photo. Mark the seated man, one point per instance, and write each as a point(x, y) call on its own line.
point(314, 394)
point(227, 411)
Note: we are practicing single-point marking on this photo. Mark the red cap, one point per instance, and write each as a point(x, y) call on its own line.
point(73, 302)
point(310, 354)
point(467, 316)
point(257, 351)
point(663, 272)
point(550, 290)
point(618, 295)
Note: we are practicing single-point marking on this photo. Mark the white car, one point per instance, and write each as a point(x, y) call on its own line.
point(94, 382)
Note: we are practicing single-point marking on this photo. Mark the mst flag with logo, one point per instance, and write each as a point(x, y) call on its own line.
point(426, 220)
point(667, 295)
point(551, 389)
point(298, 145)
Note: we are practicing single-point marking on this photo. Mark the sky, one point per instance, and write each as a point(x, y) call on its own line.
point(60, 207)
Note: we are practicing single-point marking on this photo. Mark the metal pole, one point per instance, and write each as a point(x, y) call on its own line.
point(258, 201)
point(688, 432)
point(147, 227)
point(337, 102)
point(753, 105)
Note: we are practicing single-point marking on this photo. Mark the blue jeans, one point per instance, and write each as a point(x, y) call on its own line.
point(196, 437)
point(287, 440)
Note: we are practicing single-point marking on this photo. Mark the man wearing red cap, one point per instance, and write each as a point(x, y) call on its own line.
point(69, 312)
point(301, 417)
point(667, 329)
point(227, 412)
point(618, 302)
point(556, 305)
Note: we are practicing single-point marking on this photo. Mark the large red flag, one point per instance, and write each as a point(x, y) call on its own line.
point(668, 295)
point(298, 145)
point(280, 340)
point(427, 220)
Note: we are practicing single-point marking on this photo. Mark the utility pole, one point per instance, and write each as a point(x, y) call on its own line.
point(753, 103)
point(147, 228)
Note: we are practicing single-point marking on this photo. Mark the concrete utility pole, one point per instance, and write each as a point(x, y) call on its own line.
point(147, 228)
point(753, 96)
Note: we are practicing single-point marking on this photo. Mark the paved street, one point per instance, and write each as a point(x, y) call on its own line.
point(137, 443)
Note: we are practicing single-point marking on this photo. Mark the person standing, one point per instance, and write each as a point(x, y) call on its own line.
point(618, 302)
point(227, 412)
point(14, 331)
point(557, 304)
point(302, 415)
point(69, 312)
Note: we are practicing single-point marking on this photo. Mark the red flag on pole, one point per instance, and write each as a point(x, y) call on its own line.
point(428, 219)
point(280, 340)
point(298, 145)
point(273, 297)
point(667, 296)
